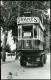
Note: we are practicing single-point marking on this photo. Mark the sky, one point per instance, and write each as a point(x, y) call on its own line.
point(10, 38)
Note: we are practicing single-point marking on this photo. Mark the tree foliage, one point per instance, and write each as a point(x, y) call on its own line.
point(10, 10)
point(9, 15)
point(35, 4)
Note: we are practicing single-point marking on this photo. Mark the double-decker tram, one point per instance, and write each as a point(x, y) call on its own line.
point(31, 40)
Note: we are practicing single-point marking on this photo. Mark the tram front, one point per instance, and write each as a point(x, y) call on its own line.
point(26, 32)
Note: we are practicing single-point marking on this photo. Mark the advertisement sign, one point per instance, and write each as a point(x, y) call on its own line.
point(27, 34)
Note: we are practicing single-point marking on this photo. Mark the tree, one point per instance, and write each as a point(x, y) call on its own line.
point(9, 14)
point(4, 46)
point(8, 49)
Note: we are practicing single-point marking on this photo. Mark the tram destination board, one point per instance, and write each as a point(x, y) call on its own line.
point(21, 20)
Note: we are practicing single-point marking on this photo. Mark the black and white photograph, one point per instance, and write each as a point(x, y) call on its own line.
point(25, 39)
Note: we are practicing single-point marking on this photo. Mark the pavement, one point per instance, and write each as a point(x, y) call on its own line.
point(8, 61)
point(29, 72)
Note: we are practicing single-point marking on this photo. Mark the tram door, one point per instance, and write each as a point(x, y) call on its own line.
point(27, 35)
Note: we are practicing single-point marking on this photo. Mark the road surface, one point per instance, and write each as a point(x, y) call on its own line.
point(29, 72)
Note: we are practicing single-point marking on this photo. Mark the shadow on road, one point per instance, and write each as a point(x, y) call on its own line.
point(32, 66)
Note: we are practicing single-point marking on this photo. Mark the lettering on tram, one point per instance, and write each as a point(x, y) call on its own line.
point(22, 20)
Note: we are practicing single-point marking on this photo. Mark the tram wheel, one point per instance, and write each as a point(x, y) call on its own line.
point(42, 61)
point(22, 63)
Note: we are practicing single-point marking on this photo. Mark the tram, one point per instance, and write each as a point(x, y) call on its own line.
point(31, 40)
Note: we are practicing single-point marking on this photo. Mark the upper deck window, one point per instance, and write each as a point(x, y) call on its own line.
point(27, 31)
point(35, 31)
point(19, 31)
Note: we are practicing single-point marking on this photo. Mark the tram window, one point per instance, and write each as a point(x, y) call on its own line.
point(35, 33)
point(27, 29)
point(19, 32)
